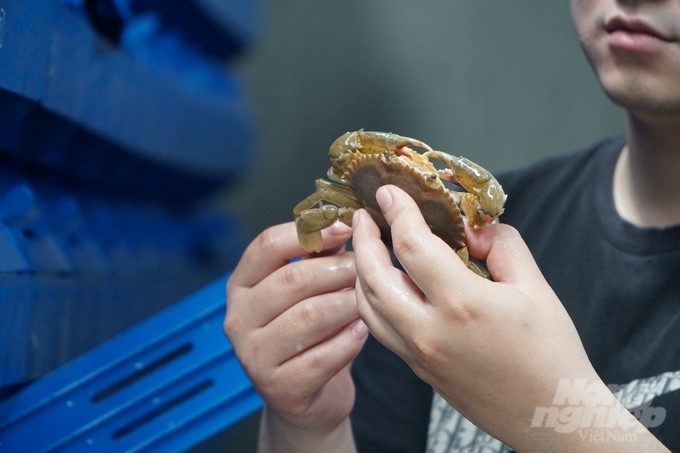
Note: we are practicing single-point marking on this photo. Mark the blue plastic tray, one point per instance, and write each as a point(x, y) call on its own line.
point(165, 384)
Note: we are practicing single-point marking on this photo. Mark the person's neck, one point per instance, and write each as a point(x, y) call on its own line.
point(647, 175)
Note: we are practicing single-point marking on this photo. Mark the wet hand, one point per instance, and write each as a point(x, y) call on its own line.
point(495, 350)
point(295, 326)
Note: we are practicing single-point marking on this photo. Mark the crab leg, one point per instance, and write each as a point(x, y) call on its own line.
point(345, 147)
point(310, 223)
point(484, 200)
point(311, 216)
point(332, 193)
point(371, 142)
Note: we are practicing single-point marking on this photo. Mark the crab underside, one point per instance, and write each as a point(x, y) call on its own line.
point(438, 207)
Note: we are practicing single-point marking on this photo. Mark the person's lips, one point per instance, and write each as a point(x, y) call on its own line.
point(636, 35)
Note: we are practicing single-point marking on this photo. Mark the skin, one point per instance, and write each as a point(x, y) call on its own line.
point(647, 85)
point(494, 350)
point(296, 328)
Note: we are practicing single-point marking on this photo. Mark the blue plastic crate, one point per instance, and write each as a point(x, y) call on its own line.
point(77, 267)
point(150, 114)
point(109, 145)
point(166, 384)
point(220, 29)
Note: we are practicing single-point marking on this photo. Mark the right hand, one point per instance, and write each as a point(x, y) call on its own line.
point(295, 327)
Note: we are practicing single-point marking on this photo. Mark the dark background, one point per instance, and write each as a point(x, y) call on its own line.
point(502, 83)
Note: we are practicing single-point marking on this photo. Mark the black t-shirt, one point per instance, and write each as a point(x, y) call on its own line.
point(620, 284)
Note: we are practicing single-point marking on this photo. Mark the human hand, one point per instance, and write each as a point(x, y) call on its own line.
point(495, 350)
point(295, 328)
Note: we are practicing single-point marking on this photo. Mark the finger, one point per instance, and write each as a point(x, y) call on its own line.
point(275, 247)
point(249, 297)
point(290, 284)
point(316, 366)
point(307, 324)
point(507, 256)
point(385, 295)
point(380, 327)
point(433, 265)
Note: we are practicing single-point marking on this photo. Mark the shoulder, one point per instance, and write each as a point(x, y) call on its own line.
point(560, 178)
point(570, 167)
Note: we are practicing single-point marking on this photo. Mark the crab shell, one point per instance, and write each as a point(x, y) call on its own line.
point(365, 173)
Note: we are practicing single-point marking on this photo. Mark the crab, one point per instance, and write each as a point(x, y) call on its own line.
point(362, 161)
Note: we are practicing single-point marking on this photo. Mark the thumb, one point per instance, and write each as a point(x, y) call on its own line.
point(507, 256)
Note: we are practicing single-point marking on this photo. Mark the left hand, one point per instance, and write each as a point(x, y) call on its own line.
point(495, 350)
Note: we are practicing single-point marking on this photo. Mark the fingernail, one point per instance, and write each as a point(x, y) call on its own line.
point(340, 229)
point(356, 218)
point(360, 329)
point(384, 199)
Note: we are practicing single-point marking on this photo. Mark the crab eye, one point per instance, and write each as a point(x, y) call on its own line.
point(433, 176)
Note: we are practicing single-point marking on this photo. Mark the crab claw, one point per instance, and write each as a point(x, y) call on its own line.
point(485, 198)
point(371, 142)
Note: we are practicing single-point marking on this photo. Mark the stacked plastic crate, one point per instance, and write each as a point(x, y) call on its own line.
point(119, 119)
